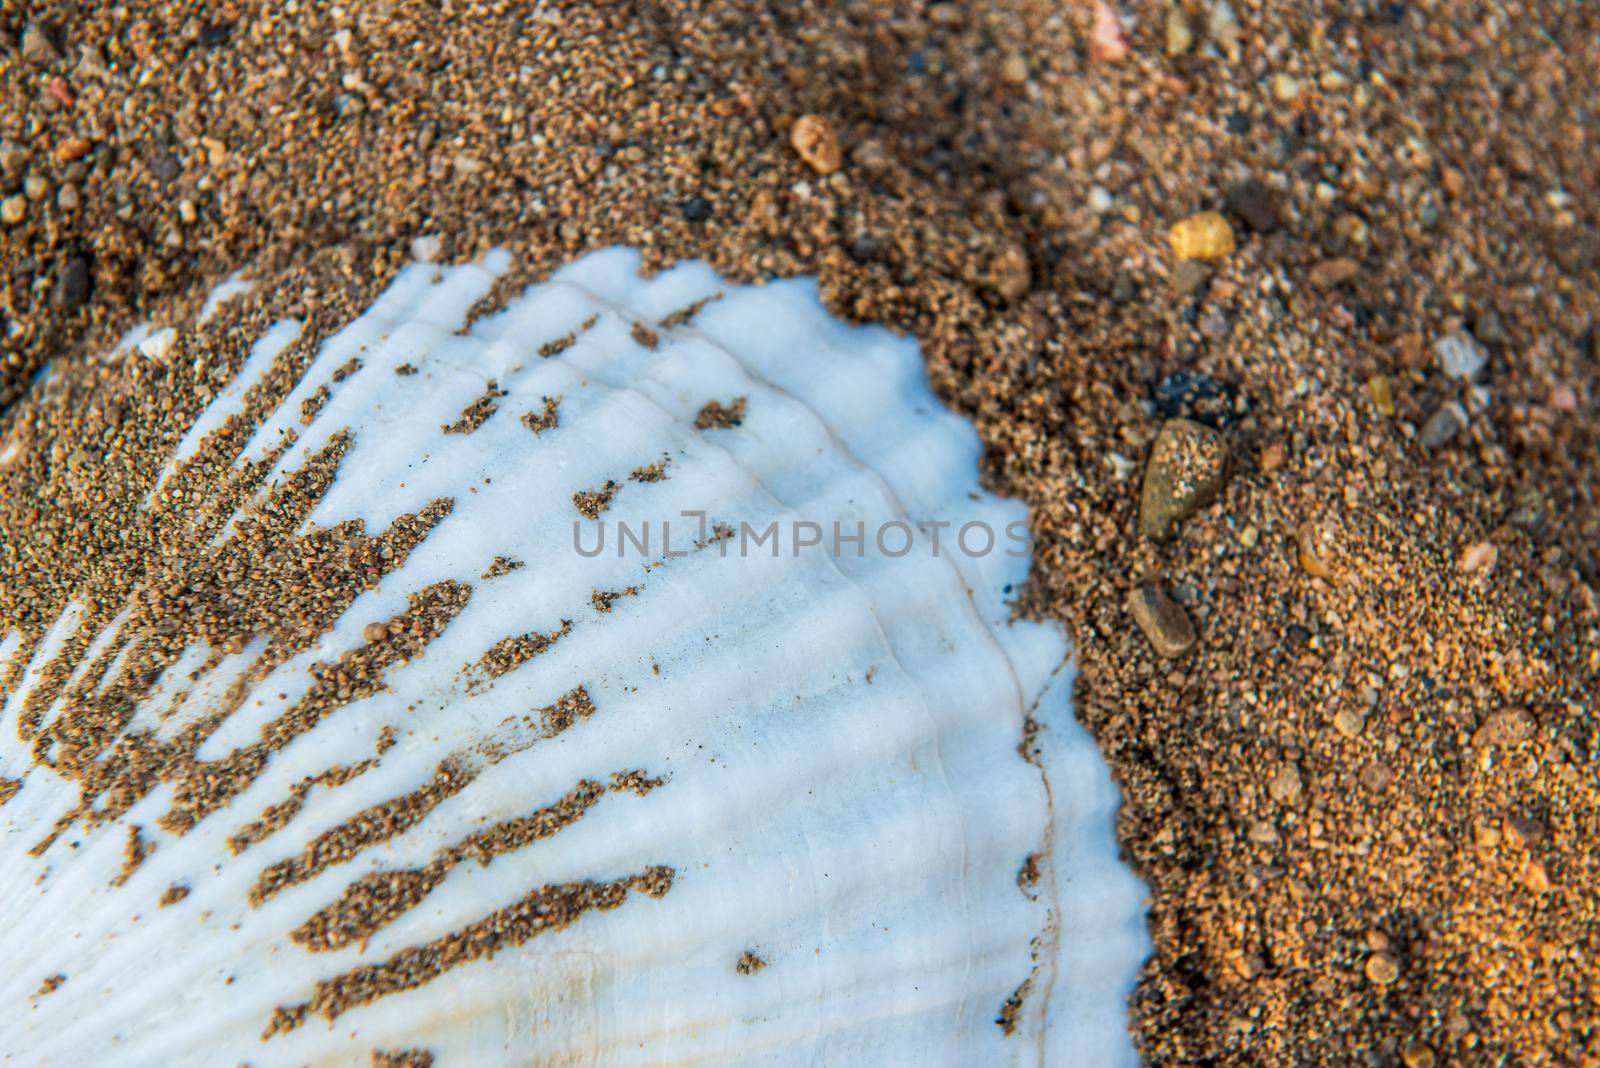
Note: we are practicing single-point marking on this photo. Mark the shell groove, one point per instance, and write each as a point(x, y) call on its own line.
point(521, 803)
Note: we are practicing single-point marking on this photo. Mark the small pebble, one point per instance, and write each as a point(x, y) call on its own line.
point(1335, 272)
point(1461, 355)
point(72, 283)
point(1285, 87)
point(1010, 274)
point(1536, 876)
point(1443, 425)
point(1107, 41)
point(375, 632)
point(1381, 389)
point(37, 48)
point(1187, 469)
point(1286, 785)
point(1479, 556)
point(13, 209)
point(1490, 329)
point(1521, 831)
point(1190, 276)
point(1314, 549)
point(1416, 1055)
point(1014, 70)
point(697, 209)
point(1509, 727)
point(1382, 969)
point(1257, 205)
point(1223, 26)
point(426, 248)
point(1163, 621)
point(871, 157)
point(1180, 35)
point(91, 64)
point(37, 187)
point(73, 148)
point(814, 139)
point(67, 197)
point(1375, 776)
point(1350, 721)
point(1205, 236)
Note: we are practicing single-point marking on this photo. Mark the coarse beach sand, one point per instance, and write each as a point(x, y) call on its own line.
point(1364, 792)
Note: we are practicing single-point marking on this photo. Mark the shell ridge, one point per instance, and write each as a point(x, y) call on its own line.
point(898, 510)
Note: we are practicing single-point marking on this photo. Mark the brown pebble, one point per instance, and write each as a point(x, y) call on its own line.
point(1382, 969)
point(1350, 722)
point(1187, 469)
point(814, 139)
point(1336, 272)
point(1521, 831)
point(1376, 776)
point(1314, 550)
point(1286, 785)
point(73, 148)
point(375, 632)
point(1010, 274)
point(1163, 621)
point(1508, 727)
point(1536, 876)
point(1417, 1055)
point(1479, 556)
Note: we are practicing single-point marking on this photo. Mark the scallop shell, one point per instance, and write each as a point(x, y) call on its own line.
point(523, 803)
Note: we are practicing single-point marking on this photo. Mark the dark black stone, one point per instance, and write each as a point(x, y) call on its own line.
point(72, 283)
point(1256, 205)
point(697, 210)
point(866, 249)
point(216, 33)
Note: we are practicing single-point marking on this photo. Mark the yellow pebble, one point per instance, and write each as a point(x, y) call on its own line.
point(1382, 391)
point(1206, 236)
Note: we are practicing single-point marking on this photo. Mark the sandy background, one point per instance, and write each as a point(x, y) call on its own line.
point(1365, 801)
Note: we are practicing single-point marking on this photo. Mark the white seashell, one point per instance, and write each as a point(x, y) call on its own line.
point(773, 808)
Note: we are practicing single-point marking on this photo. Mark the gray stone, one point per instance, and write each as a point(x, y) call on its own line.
point(1190, 276)
point(72, 283)
point(1461, 355)
point(1443, 425)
